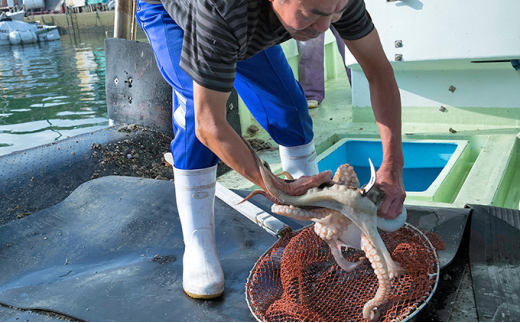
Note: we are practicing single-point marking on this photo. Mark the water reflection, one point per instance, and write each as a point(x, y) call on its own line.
point(51, 90)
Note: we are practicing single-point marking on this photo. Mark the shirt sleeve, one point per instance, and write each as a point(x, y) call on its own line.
point(209, 49)
point(355, 23)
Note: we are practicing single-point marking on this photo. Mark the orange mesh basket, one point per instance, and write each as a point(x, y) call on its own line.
point(297, 279)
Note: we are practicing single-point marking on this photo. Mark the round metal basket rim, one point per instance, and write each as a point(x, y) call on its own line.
point(406, 224)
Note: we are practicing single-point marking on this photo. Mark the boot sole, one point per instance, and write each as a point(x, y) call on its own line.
point(192, 295)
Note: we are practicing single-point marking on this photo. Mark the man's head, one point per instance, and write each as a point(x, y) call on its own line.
point(306, 19)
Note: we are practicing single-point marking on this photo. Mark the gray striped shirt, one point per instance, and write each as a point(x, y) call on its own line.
point(218, 33)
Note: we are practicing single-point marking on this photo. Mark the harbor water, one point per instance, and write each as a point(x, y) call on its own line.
point(52, 90)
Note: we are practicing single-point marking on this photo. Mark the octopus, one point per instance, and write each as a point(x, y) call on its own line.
point(345, 215)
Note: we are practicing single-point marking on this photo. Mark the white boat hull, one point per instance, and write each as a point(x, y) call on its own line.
point(16, 16)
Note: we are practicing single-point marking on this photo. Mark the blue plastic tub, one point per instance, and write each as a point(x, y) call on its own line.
point(424, 161)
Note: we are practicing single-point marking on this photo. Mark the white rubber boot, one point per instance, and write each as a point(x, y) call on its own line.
point(299, 160)
point(202, 275)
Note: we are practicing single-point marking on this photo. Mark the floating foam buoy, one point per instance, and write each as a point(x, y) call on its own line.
point(49, 34)
point(4, 38)
point(18, 32)
point(14, 37)
point(22, 37)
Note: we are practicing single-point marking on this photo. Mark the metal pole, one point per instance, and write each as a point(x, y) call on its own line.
point(265, 220)
point(134, 22)
point(124, 21)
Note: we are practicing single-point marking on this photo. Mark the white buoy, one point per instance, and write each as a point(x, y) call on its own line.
point(22, 37)
point(17, 32)
point(4, 39)
point(15, 38)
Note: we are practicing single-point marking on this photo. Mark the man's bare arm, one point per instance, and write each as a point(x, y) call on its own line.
point(213, 130)
point(386, 104)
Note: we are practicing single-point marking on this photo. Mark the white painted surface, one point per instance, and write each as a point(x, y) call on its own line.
point(17, 16)
point(441, 39)
point(446, 29)
point(493, 85)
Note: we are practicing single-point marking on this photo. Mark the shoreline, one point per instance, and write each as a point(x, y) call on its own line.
point(103, 20)
point(96, 22)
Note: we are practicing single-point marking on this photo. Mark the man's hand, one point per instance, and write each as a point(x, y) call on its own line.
point(390, 181)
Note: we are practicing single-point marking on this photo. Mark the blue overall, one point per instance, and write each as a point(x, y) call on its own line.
point(265, 83)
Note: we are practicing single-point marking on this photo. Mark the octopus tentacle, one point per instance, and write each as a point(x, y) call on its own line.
point(261, 192)
point(286, 174)
point(267, 177)
point(335, 249)
point(331, 226)
point(345, 174)
point(370, 309)
point(298, 213)
point(394, 268)
point(338, 231)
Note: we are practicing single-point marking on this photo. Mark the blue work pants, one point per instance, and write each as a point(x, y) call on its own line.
point(265, 83)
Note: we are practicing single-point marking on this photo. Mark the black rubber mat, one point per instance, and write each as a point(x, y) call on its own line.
point(495, 263)
point(512, 217)
point(40, 177)
point(112, 251)
point(12, 315)
point(449, 223)
point(441, 306)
